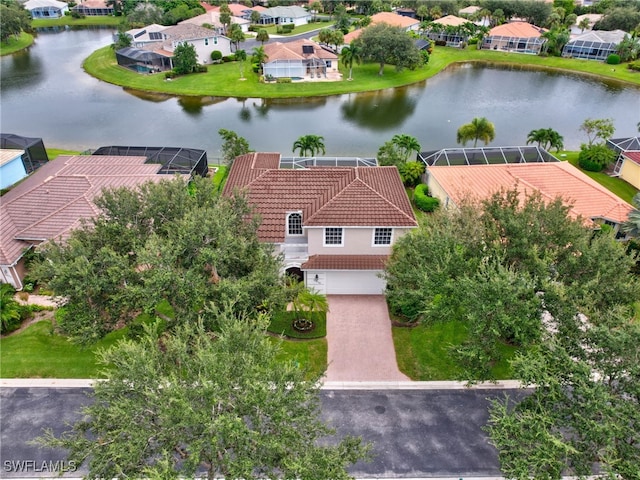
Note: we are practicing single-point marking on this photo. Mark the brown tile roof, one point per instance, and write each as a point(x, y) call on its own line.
point(187, 31)
point(345, 262)
point(451, 20)
point(293, 51)
point(633, 156)
point(336, 196)
point(56, 197)
point(394, 19)
point(517, 30)
point(589, 199)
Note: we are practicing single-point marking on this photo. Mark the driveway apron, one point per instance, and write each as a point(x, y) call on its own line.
point(360, 346)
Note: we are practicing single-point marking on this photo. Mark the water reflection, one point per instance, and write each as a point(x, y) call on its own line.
point(23, 70)
point(380, 111)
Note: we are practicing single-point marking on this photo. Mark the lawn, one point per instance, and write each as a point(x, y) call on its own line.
point(309, 27)
point(422, 352)
point(282, 324)
point(107, 20)
point(310, 354)
point(222, 79)
point(624, 190)
point(14, 44)
point(56, 152)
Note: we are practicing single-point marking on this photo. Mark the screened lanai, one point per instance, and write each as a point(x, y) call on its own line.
point(594, 45)
point(189, 161)
point(142, 61)
point(307, 162)
point(620, 145)
point(485, 156)
point(35, 154)
point(531, 45)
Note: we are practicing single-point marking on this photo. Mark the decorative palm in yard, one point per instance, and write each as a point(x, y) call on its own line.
point(546, 138)
point(348, 55)
point(306, 303)
point(309, 144)
point(479, 129)
point(632, 226)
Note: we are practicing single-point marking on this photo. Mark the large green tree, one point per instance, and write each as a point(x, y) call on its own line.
point(348, 55)
point(233, 145)
point(546, 138)
point(163, 242)
point(597, 129)
point(486, 265)
point(193, 403)
point(479, 129)
point(309, 144)
point(185, 58)
point(385, 44)
point(13, 19)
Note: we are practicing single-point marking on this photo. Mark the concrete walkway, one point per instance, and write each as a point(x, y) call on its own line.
point(360, 343)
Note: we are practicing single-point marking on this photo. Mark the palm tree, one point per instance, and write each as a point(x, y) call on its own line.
point(406, 144)
point(306, 303)
point(259, 56)
point(241, 56)
point(313, 144)
point(546, 138)
point(479, 129)
point(632, 226)
point(351, 53)
point(262, 36)
point(584, 24)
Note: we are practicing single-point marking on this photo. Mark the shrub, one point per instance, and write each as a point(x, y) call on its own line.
point(594, 158)
point(200, 69)
point(216, 56)
point(613, 59)
point(255, 67)
point(425, 56)
point(169, 75)
point(228, 58)
point(283, 80)
point(410, 173)
point(76, 14)
point(634, 66)
point(473, 41)
point(441, 43)
point(423, 201)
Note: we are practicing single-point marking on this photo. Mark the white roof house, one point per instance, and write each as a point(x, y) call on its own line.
point(46, 8)
point(594, 44)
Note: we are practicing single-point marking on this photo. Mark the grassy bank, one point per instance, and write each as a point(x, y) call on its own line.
point(223, 80)
point(14, 44)
point(107, 20)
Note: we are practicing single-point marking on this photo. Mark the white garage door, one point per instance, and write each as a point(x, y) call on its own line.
point(354, 283)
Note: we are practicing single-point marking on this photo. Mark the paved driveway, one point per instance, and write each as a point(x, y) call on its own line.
point(360, 342)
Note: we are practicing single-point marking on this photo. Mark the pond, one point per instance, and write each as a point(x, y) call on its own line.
point(45, 93)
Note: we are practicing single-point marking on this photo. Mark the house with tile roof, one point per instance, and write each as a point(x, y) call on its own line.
point(406, 23)
point(46, 8)
point(93, 8)
point(56, 198)
point(301, 59)
point(449, 29)
point(515, 37)
point(152, 46)
point(285, 15)
point(333, 225)
point(586, 198)
point(627, 165)
point(212, 19)
point(594, 44)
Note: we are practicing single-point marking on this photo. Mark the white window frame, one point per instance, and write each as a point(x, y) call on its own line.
point(373, 237)
point(325, 231)
point(288, 226)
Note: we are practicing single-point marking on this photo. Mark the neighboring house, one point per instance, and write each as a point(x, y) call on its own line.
point(11, 167)
point(285, 15)
point(447, 29)
point(627, 165)
point(301, 59)
point(516, 37)
point(406, 23)
point(212, 18)
point(35, 155)
point(55, 199)
point(470, 10)
point(552, 179)
point(591, 17)
point(152, 46)
point(334, 226)
point(46, 8)
point(594, 44)
point(91, 8)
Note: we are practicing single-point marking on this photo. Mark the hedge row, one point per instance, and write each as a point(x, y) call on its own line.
point(422, 199)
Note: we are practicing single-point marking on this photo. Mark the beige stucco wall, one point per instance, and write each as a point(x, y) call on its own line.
point(436, 190)
point(204, 51)
point(356, 241)
point(630, 172)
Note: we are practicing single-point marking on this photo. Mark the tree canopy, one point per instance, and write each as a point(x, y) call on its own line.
point(383, 43)
point(193, 403)
point(546, 138)
point(233, 145)
point(165, 241)
point(185, 58)
point(479, 129)
point(13, 19)
point(309, 144)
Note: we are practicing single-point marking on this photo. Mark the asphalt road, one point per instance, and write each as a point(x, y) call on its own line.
point(415, 433)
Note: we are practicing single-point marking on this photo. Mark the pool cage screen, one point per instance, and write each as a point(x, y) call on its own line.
point(35, 154)
point(486, 156)
point(531, 45)
point(189, 161)
point(308, 162)
point(143, 61)
point(589, 50)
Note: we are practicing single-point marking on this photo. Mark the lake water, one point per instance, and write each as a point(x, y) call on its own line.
point(45, 93)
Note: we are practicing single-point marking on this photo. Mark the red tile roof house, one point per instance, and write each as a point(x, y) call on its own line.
point(516, 37)
point(56, 198)
point(587, 198)
point(390, 18)
point(334, 226)
point(301, 60)
point(627, 165)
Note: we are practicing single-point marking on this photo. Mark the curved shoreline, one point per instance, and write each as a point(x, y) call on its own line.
point(221, 80)
point(22, 43)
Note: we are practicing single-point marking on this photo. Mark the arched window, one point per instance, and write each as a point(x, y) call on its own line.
point(294, 224)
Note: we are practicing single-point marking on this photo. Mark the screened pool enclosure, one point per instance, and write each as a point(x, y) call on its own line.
point(596, 45)
point(485, 156)
point(188, 161)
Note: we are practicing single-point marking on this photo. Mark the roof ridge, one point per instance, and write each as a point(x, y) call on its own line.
point(81, 197)
point(382, 196)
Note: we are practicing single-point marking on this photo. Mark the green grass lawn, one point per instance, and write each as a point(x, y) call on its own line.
point(107, 20)
point(14, 44)
point(309, 27)
point(422, 352)
point(282, 324)
point(624, 190)
point(223, 79)
point(310, 354)
point(56, 152)
point(38, 353)
point(220, 176)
